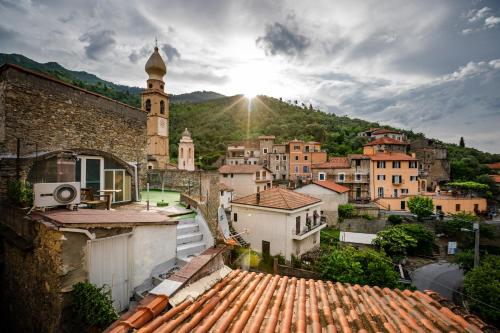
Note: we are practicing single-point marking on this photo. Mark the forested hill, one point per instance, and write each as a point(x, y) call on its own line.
point(215, 123)
point(91, 82)
point(216, 120)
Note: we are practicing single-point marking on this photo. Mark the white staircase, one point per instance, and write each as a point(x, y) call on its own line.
point(190, 242)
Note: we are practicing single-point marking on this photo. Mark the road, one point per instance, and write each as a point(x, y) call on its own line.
point(443, 278)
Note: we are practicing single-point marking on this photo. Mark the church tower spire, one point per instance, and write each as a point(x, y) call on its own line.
point(155, 104)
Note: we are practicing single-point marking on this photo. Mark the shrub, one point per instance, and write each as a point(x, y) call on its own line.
point(395, 242)
point(395, 219)
point(465, 260)
point(20, 193)
point(346, 211)
point(482, 289)
point(93, 305)
point(162, 204)
point(425, 238)
point(421, 206)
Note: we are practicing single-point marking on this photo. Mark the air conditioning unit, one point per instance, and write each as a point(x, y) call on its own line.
point(56, 194)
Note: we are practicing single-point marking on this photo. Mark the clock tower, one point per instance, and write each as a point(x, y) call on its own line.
point(155, 104)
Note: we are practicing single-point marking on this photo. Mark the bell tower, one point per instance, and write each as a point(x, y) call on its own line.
point(155, 104)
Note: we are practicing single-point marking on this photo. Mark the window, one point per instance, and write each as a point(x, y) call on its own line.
point(341, 177)
point(413, 178)
point(265, 150)
point(403, 205)
point(404, 191)
point(296, 158)
point(284, 167)
point(161, 86)
point(381, 164)
point(380, 177)
point(235, 217)
point(296, 169)
point(277, 157)
point(150, 85)
point(147, 105)
point(305, 169)
point(357, 177)
point(306, 157)
point(358, 163)
point(264, 174)
point(224, 175)
point(277, 168)
point(232, 175)
point(396, 165)
point(321, 176)
point(476, 207)
point(413, 164)
point(254, 162)
point(284, 157)
point(457, 207)
point(396, 179)
point(162, 107)
point(297, 225)
point(257, 175)
point(296, 147)
point(395, 193)
point(380, 192)
point(150, 167)
point(275, 151)
point(258, 189)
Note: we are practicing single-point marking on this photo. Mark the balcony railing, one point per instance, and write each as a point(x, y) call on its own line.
point(353, 179)
point(308, 230)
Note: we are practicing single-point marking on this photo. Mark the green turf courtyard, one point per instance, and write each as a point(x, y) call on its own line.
point(155, 196)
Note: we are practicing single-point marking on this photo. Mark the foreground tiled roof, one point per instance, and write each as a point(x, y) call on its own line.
point(278, 198)
point(331, 185)
point(241, 168)
point(257, 302)
point(333, 163)
point(392, 157)
point(386, 141)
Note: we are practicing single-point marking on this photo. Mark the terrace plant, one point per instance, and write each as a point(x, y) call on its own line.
point(421, 206)
point(20, 193)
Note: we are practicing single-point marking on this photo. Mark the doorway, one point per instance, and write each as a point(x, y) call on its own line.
point(266, 248)
point(90, 172)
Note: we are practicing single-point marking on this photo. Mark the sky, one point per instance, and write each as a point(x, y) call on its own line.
point(425, 65)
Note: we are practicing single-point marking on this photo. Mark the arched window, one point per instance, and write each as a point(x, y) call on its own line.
point(147, 105)
point(162, 107)
point(182, 152)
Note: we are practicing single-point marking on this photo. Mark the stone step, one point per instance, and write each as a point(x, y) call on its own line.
point(188, 228)
point(189, 238)
point(187, 220)
point(190, 249)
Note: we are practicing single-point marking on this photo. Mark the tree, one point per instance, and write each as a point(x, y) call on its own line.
point(425, 238)
point(395, 242)
point(349, 265)
point(346, 211)
point(465, 260)
point(421, 206)
point(462, 142)
point(482, 289)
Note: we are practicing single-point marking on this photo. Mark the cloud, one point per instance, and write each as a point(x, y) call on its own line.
point(171, 52)
point(475, 15)
point(135, 55)
point(7, 34)
point(491, 21)
point(278, 39)
point(99, 43)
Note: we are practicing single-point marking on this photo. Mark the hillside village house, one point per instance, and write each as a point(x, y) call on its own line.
point(278, 222)
point(245, 152)
point(433, 163)
point(302, 157)
point(225, 196)
point(377, 133)
point(331, 194)
point(245, 179)
point(385, 144)
point(351, 171)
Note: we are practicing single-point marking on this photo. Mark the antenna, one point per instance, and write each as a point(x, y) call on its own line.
point(156, 42)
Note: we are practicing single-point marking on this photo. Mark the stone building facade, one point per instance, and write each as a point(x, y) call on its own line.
point(434, 166)
point(40, 115)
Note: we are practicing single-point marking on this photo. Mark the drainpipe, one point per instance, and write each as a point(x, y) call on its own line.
point(81, 231)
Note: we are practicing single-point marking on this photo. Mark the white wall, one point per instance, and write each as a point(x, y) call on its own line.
point(276, 227)
point(331, 200)
point(244, 184)
point(151, 246)
point(225, 198)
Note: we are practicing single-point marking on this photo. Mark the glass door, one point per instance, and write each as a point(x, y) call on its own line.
point(114, 180)
point(89, 172)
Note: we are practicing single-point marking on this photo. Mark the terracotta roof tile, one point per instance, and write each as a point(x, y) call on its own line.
point(256, 302)
point(241, 168)
point(386, 141)
point(496, 178)
point(494, 166)
point(278, 198)
point(331, 185)
point(224, 187)
point(392, 157)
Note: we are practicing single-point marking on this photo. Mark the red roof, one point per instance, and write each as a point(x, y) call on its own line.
point(277, 198)
point(392, 157)
point(386, 141)
point(496, 178)
point(256, 302)
point(333, 163)
point(331, 185)
point(383, 131)
point(241, 168)
point(494, 166)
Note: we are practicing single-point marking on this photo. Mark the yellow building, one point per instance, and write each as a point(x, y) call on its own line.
point(155, 103)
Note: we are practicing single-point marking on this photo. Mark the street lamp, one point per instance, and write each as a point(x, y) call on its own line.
point(475, 230)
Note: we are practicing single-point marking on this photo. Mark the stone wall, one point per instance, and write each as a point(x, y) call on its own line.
point(362, 225)
point(30, 280)
point(48, 115)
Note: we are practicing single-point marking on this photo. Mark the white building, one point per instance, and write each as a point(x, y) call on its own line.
point(186, 152)
point(246, 179)
point(278, 221)
point(225, 195)
point(332, 195)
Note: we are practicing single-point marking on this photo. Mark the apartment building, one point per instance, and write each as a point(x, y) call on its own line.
point(385, 144)
point(278, 161)
point(352, 172)
point(244, 152)
point(303, 155)
point(378, 133)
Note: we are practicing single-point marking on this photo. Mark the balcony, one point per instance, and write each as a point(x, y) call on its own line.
point(308, 231)
point(398, 182)
point(352, 179)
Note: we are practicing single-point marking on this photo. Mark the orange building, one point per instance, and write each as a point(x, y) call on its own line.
point(302, 156)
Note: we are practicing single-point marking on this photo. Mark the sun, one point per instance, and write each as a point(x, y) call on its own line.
point(250, 95)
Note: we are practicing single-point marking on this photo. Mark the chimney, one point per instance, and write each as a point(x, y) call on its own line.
point(258, 198)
